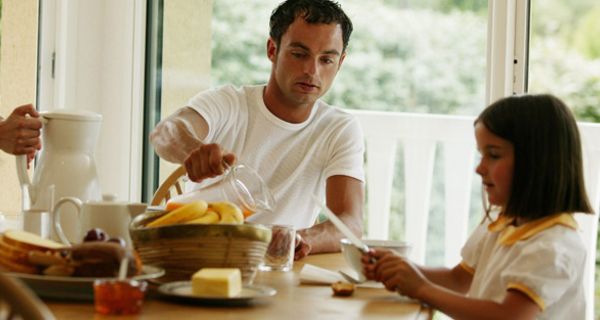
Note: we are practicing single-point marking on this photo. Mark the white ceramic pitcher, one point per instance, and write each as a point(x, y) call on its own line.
point(66, 161)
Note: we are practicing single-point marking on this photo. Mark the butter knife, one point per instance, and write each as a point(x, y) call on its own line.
point(341, 226)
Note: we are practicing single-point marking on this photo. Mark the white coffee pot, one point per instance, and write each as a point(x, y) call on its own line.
point(111, 216)
point(66, 161)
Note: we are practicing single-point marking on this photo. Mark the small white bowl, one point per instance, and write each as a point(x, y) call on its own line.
point(353, 255)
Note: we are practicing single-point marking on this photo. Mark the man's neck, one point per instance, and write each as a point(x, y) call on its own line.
point(279, 106)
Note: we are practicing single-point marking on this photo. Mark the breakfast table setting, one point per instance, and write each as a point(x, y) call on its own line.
point(88, 255)
point(292, 300)
point(304, 292)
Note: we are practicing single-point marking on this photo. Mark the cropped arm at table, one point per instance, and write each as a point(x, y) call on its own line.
point(179, 134)
point(456, 279)
point(515, 305)
point(345, 198)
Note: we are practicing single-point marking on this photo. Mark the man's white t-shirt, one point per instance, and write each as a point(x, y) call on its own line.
point(294, 159)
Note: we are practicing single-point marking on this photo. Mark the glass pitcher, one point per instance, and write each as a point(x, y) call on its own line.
point(241, 185)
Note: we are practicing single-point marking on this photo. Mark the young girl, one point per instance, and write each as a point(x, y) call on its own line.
point(526, 262)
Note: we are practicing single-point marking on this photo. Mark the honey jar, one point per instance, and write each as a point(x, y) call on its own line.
point(113, 296)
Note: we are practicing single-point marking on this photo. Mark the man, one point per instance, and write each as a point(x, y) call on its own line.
point(296, 142)
point(20, 132)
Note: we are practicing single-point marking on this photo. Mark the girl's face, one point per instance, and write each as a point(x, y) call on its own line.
point(496, 165)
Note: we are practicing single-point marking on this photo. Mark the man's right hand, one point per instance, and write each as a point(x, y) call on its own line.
point(207, 161)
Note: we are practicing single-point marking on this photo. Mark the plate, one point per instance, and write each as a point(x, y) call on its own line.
point(73, 288)
point(182, 291)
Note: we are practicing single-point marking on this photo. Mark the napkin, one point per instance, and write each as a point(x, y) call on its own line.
point(311, 274)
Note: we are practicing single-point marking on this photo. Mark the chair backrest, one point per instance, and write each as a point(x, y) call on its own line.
point(420, 137)
point(16, 300)
point(590, 136)
point(173, 185)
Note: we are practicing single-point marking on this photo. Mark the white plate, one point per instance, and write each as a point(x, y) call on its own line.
point(182, 291)
point(73, 288)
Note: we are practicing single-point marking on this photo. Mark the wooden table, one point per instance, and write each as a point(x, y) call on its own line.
point(292, 301)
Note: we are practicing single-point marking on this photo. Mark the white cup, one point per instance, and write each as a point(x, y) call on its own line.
point(37, 221)
point(110, 216)
point(353, 255)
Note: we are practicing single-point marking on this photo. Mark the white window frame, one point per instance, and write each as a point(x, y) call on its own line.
point(508, 38)
point(63, 37)
point(92, 57)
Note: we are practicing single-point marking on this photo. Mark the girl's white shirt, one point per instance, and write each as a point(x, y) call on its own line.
point(543, 261)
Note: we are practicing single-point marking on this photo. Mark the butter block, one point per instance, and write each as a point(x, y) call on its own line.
point(217, 282)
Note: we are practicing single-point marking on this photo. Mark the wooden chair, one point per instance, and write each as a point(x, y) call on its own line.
point(19, 302)
point(172, 186)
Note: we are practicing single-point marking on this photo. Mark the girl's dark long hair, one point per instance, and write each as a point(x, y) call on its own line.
point(548, 164)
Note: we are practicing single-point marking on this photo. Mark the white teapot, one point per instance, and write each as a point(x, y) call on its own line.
point(111, 216)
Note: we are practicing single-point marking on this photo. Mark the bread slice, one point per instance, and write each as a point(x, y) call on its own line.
point(30, 241)
point(15, 247)
point(13, 253)
point(9, 265)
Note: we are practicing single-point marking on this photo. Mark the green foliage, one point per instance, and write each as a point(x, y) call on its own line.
point(392, 65)
point(239, 41)
point(561, 70)
point(587, 39)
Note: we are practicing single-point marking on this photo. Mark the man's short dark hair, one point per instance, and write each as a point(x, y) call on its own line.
point(313, 11)
point(548, 164)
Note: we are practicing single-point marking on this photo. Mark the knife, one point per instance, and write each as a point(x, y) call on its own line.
point(341, 226)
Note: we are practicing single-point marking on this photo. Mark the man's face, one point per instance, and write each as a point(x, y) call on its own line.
point(306, 62)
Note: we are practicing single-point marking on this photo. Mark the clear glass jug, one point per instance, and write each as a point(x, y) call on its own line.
point(241, 185)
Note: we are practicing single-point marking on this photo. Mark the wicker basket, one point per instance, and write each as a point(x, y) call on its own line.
point(185, 248)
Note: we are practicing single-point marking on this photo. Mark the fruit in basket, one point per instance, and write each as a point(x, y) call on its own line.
point(229, 212)
point(174, 205)
point(189, 212)
point(200, 212)
point(209, 217)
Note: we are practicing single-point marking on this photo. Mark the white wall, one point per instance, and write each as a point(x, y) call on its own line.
point(17, 83)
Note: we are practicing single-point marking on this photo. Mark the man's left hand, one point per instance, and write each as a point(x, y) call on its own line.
point(302, 247)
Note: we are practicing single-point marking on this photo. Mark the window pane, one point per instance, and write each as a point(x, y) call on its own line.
point(417, 57)
point(564, 56)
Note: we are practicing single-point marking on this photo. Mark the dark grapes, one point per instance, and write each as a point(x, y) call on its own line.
point(95, 234)
point(118, 240)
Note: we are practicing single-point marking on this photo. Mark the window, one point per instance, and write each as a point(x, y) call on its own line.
point(426, 57)
point(409, 55)
point(564, 55)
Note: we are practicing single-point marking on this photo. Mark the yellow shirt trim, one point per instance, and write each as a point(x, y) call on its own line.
point(529, 293)
point(510, 234)
point(467, 267)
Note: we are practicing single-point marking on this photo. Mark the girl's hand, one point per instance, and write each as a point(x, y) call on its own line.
point(398, 274)
point(369, 260)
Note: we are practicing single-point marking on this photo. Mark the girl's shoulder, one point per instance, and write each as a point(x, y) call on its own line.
point(559, 240)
